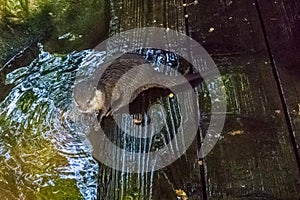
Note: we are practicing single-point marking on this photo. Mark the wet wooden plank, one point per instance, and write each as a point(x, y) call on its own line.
point(184, 174)
point(281, 20)
point(129, 14)
point(254, 158)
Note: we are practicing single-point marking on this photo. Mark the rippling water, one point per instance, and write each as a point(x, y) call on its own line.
point(42, 151)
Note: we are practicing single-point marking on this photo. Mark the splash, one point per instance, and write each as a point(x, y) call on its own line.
point(43, 153)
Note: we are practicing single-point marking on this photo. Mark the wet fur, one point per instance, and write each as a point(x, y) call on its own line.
point(100, 94)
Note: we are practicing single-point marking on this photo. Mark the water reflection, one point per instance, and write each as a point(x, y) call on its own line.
point(41, 155)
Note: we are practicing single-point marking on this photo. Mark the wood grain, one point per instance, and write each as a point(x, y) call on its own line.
point(184, 174)
point(255, 158)
point(281, 20)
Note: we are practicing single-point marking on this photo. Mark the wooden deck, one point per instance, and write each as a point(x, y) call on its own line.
point(255, 45)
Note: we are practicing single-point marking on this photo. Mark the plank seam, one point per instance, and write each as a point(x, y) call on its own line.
point(202, 169)
point(275, 71)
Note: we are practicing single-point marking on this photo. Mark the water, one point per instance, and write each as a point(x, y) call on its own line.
point(42, 150)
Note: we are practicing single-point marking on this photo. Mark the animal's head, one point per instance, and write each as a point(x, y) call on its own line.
point(87, 97)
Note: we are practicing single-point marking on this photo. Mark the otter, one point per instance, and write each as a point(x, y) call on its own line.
point(96, 94)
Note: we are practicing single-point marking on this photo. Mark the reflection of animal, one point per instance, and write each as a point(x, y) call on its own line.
point(100, 94)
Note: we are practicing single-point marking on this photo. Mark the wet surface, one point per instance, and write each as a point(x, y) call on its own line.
point(283, 18)
point(255, 158)
point(44, 153)
point(38, 112)
point(42, 156)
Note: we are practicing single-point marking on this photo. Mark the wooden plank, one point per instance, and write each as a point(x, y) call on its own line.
point(184, 174)
point(126, 14)
point(281, 20)
point(254, 158)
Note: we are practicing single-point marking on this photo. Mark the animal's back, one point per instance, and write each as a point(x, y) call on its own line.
point(119, 68)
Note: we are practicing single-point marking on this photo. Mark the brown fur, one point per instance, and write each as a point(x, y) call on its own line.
point(100, 94)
